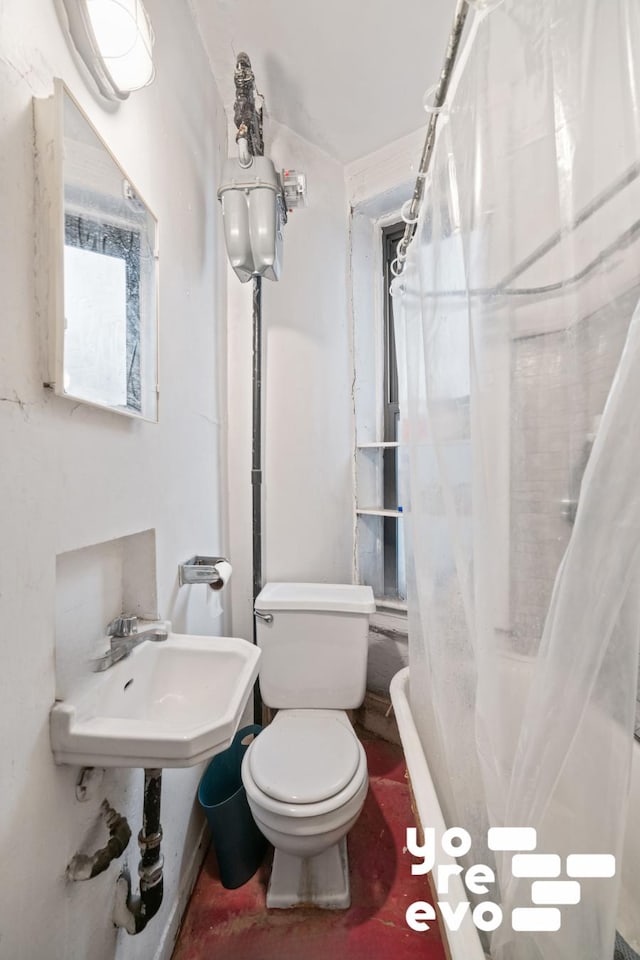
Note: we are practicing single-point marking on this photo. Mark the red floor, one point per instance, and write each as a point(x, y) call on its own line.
point(235, 925)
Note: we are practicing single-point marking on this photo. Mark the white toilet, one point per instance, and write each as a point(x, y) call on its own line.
point(306, 774)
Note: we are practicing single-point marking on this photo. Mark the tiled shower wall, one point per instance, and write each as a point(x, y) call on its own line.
point(559, 385)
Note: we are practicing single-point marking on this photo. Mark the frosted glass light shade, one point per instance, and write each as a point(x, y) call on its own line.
point(123, 37)
point(115, 40)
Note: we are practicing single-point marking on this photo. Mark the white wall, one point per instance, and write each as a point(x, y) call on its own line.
point(74, 476)
point(307, 385)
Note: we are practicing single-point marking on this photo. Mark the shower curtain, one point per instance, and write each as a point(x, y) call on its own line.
point(519, 367)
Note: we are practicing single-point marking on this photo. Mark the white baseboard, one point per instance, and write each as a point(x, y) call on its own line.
point(170, 933)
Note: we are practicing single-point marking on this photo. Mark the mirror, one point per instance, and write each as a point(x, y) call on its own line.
point(100, 266)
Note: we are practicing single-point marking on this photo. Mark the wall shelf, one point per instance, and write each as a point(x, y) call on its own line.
point(375, 521)
point(381, 445)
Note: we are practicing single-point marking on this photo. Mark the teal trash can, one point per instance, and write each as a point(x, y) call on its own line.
point(239, 845)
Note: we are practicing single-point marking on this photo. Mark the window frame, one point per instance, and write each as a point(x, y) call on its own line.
point(374, 212)
point(391, 235)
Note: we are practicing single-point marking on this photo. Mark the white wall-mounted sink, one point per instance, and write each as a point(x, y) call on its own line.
point(167, 704)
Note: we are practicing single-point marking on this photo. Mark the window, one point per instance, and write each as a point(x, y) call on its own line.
point(380, 553)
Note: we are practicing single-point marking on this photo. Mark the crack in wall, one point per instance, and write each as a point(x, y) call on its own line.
point(16, 401)
point(354, 455)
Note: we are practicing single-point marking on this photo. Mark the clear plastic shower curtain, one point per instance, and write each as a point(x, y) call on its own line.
point(519, 366)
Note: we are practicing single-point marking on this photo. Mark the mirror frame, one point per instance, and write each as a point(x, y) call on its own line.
point(48, 115)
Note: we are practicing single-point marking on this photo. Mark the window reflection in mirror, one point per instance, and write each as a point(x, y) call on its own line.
point(110, 328)
point(102, 312)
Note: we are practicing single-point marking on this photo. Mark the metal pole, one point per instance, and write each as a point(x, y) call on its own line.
point(459, 19)
point(248, 120)
point(256, 468)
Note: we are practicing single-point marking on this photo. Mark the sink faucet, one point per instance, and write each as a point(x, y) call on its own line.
point(124, 636)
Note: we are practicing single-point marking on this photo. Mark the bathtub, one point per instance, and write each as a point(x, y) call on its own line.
point(465, 944)
point(629, 903)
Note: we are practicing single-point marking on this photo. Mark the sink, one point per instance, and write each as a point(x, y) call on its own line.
point(168, 704)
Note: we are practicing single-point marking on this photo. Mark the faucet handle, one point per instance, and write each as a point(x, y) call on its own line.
point(123, 626)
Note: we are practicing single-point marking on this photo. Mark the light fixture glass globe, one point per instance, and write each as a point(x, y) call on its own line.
point(114, 25)
point(115, 40)
point(124, 40)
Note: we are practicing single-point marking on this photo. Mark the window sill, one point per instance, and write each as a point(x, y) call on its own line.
point(390, 620)
point(394, 607)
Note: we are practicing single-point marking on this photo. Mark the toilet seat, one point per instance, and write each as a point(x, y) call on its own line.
point(304, 756)
point(311, 812)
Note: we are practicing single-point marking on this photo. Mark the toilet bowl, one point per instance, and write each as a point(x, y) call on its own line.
point(306, 782)
point(306, 774)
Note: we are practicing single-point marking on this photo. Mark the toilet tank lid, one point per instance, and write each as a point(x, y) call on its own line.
point(336, 597)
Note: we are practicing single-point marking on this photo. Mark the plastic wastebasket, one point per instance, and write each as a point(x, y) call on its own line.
point(239, 845)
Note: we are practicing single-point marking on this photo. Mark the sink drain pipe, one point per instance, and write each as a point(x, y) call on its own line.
point(133, 913)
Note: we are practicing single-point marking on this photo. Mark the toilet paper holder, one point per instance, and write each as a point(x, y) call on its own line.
point(201, 570)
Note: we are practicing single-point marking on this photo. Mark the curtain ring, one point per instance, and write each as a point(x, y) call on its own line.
point(428, 100)
point(405, 212)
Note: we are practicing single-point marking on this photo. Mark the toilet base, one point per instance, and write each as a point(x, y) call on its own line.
point(320, 881)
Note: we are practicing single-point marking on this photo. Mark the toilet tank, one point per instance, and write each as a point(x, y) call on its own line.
point(314, 649)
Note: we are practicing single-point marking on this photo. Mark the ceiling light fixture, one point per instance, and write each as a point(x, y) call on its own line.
point(115, 40)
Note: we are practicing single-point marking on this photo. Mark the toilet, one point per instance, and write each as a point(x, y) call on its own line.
point(306, 774)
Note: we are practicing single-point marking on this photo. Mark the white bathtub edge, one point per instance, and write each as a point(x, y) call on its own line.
point(464, 944)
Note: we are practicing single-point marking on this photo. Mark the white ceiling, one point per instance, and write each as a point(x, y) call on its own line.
point(347, 75)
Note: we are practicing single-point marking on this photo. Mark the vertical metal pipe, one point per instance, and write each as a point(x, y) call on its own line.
point(131, 912)
point(256, 467)
point(248, 120)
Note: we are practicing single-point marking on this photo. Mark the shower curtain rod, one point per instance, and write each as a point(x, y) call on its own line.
point(614, 188)
point(625, 239)
point(453, 46)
